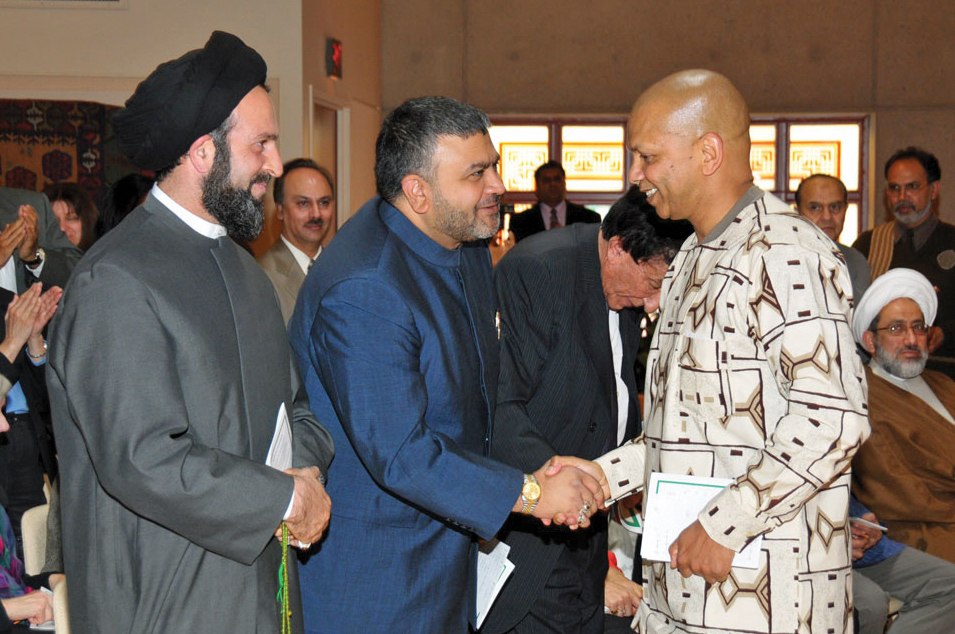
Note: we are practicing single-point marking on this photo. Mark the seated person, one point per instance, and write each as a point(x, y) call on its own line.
point(883, 568)
point(19, 603)
point(905, 472)
point(76, 211)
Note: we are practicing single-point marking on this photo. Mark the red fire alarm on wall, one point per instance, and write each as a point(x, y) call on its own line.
point(333, 58)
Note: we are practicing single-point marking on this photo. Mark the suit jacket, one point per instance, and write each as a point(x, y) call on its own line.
point(557, 390)
point(286, 275)
point(530, 221)
point(168, 365)
point(395, 338)
point(904, 473)
point(61, 255)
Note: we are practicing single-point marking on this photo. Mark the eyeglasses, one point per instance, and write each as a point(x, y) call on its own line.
point(909, 188)
point(899, 328)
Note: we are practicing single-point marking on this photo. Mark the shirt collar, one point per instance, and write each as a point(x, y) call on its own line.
point(194, 222)
point(753, 194)
point(300, 256)
point(419, 243)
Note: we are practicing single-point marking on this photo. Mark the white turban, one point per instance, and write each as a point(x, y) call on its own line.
point(892, 285)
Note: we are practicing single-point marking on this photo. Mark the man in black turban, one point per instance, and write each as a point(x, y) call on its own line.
point(170, 372)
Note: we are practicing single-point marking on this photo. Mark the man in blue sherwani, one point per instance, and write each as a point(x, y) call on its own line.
point(395, 334)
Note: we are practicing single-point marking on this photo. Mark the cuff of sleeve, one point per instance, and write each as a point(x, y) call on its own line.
point(729, 521)
point(291, 502)
point(624, 468)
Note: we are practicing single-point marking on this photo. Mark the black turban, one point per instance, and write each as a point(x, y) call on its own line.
point(185, 98)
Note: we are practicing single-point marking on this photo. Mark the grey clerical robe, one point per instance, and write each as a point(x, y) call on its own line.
point(168, 365)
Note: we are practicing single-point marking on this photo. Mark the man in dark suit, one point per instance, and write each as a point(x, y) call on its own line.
point(552, 210)
point(570, 304)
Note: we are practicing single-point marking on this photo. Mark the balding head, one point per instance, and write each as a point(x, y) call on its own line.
point(695, 102)
point(699, 122)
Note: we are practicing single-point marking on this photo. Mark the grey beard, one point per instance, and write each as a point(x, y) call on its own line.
point(910, 219)
point(898, 367)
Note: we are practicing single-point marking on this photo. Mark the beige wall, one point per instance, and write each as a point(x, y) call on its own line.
point(357, 24)
point(101, 55)
point(893, 59)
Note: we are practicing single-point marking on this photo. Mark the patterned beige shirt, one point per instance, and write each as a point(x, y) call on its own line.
point(754, 376)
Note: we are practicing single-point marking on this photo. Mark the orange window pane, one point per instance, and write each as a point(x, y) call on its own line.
point(593, 157)
point(523, 148)
point(762, 155)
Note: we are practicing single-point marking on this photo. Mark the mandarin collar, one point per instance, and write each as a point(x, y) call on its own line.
point(419, 243)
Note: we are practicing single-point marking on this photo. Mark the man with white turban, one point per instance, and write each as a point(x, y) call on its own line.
point(905, 473)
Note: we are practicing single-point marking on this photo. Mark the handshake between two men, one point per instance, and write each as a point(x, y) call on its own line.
point(565, 491)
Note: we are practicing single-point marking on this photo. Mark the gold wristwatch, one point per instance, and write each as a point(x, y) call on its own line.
point(530, 493)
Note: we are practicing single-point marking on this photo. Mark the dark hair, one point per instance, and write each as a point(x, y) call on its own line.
point(409, 137)
point(643, 233)
point(845, 192)
point(549, 165)
point(82, 203)
point(926, 159)
point(278, 190)
point(123, 196)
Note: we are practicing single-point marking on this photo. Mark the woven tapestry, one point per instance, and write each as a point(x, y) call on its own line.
point(44, 142)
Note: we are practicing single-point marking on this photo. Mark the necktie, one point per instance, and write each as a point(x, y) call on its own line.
point(909, 236)
point(554, 220)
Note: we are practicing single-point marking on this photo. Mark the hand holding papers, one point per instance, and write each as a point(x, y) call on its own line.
point(312, 507)
point(672, 532)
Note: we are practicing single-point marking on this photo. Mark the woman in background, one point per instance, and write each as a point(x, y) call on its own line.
point(76, 212)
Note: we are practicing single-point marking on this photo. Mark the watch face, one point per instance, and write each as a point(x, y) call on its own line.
point(531, 491)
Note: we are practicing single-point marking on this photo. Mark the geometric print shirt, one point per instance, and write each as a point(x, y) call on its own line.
point(753, 376)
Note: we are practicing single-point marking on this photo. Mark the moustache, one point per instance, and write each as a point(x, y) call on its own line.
point(904, 203)
point(493, 199)
point(316, 223)
point(261, 177)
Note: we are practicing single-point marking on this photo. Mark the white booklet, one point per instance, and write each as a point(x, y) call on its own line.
point(280, 451)
point(493, 569)
point(673, 502)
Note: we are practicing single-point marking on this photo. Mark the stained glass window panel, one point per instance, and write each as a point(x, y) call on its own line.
point(762, 155)
point(523, 148)
point(593, 157)
point(824, 149)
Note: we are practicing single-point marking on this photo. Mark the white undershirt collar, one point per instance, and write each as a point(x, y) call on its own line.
point(199, 225)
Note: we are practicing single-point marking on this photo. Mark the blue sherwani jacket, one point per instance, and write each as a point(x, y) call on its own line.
point(395, 336)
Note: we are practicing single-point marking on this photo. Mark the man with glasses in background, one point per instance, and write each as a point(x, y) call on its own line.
point(904, 473)
point(918, 240)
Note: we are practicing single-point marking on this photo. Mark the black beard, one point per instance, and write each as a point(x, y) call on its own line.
point(237, 210)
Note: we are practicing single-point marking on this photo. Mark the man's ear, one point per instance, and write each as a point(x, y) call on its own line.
point(202, 154)
point(278, 212)
point(711, 146)
point(935, 187)
point(417, 192)
point(868, 340)
point(615, 247)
